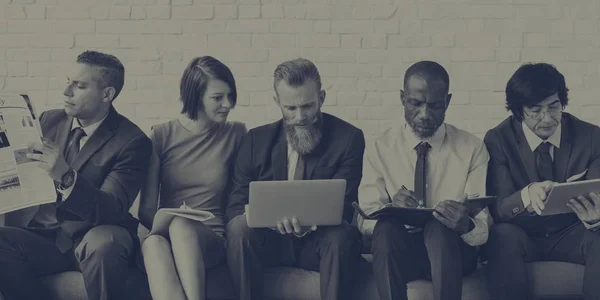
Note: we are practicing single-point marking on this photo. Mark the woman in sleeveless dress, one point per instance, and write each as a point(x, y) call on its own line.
point(191, 166)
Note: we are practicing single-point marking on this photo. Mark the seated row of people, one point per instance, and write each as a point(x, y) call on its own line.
point(100, 161)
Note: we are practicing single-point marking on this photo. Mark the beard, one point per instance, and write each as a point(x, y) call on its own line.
point(304, 139)
point(424, 128)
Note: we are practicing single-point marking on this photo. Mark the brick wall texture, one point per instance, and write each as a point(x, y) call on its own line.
point(361, 47)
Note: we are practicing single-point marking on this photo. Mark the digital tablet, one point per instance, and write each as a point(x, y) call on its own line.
point(313, 202)
point(561, 193)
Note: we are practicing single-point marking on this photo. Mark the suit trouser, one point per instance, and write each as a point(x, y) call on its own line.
point(103, 257)
point(334, 251)
point(436, 253)
point(510, 248)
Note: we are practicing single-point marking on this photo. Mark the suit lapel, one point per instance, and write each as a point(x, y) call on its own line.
point(105, 132)
point(562, 155)
point(525, 154)
point(279, 157)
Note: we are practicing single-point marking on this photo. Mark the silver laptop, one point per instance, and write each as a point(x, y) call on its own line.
point(313, 202)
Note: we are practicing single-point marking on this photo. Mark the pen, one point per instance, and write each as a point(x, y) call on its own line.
point(420, 201)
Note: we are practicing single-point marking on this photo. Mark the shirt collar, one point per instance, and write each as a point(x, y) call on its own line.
point(436, 141)
point(534, 141)
point(90, 129)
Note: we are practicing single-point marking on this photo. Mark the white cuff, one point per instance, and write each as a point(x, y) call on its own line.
point(592, 227)
point(525, 196)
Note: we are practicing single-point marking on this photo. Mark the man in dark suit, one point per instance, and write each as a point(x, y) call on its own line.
point(305, 144)
point(534, 148)
point(97, 159)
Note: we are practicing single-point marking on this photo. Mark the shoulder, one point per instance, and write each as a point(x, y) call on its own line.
point(388, 136)
point(234, 128)
point(340, 126)
point(265, 132)
point(503, 129)
point(160, 130)
point(463, 137)
point(580, 126)
point(130, 133)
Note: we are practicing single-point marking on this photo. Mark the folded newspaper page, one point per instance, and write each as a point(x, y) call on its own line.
point(22, 182)
point(164, 216)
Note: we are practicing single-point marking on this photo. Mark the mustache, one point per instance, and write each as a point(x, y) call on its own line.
point(310, 121)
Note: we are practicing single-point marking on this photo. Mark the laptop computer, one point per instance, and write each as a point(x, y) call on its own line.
point(313, 202)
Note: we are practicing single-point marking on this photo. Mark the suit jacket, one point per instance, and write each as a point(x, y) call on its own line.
point(263, 156)
point(110, 167)
point(512, 167)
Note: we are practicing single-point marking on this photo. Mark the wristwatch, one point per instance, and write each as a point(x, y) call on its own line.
point(68, 179)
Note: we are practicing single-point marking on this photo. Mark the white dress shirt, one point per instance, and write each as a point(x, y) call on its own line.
point(456, 164)
point(534, 141)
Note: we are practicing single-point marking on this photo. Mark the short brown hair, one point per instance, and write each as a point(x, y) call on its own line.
point(112, 72)
point(195, 78)
point(296, 72)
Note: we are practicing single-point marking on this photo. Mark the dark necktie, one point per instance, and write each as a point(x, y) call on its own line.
point(299, 172)
point(73, 145)
point(544, 162)
point(421, 171)
point(63, 242)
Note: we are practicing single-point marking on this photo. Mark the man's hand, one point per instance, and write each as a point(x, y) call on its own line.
point(405, 198)
point(587, 210)
point(286, 226)
point(537, 194)
point(453, 214)
point(51, 158)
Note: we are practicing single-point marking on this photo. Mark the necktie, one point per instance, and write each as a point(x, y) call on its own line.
point(63, 242)
point(544, 162)
point(73, 145)
point(299, 172)
point(421, 171)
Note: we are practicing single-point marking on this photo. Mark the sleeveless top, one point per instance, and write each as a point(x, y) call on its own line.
point(195, 168)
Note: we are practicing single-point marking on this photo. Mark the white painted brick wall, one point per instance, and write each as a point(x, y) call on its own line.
point(362, 48)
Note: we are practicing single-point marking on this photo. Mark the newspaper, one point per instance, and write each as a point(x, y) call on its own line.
point(22, 182)
point(164, 216)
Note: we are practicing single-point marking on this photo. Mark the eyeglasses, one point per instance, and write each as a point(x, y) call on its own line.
point(538, 115)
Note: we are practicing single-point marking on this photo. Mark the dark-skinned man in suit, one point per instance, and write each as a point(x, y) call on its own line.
point(530, 151)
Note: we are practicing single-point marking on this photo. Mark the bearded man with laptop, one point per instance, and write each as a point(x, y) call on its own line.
point(305, 144)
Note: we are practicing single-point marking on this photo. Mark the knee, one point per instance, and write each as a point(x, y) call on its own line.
point(591, 243)
point(186, 229)
point(387, 234)
point(152, 243)
point(105, 242)
point(437, 232)
point(504, 235)
point(237, 229)
point(182, 230)
point(344, 236)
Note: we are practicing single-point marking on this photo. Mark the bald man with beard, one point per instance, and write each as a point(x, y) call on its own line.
point(304, 144)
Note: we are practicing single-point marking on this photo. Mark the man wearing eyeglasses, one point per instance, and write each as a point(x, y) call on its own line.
point(536, 147)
